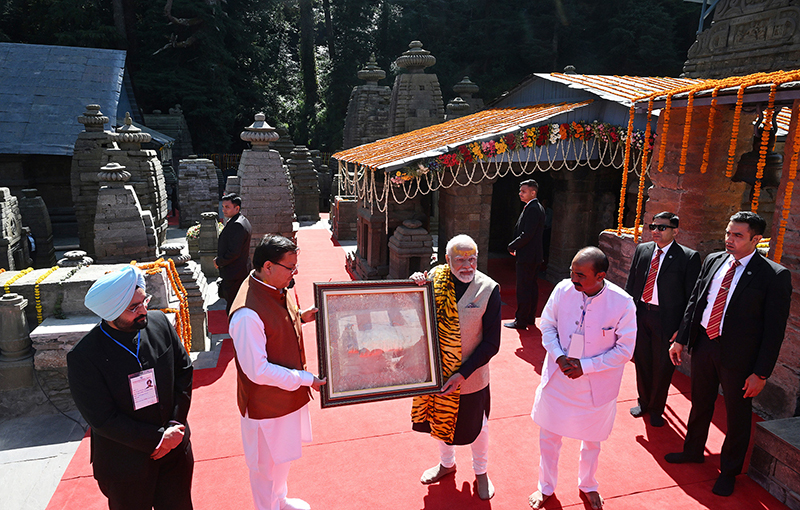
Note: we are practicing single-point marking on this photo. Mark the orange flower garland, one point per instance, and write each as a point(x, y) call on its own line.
point(711, 118)
point(38, 296)
point(737, 115)
point(762, 151)
point(662, 149)
point(182, 323)
point(787, 193)
point(625, 166)
point(643, 173)
point(16, 277)
point(687, 128)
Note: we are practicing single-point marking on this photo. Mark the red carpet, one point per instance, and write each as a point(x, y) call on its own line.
point(365, 456)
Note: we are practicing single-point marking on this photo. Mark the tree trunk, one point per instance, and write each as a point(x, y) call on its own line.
point(326, 6)
point(308, 67)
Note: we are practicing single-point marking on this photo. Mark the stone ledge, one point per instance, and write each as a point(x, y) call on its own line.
point(774, 463)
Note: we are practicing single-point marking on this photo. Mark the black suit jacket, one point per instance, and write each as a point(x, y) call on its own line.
point(755, 319)
point(98, 369)
point(676, 279)
point(528, 232)
point(233, 249)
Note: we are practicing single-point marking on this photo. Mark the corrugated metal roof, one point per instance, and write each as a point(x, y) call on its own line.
point(44, 89)
point(440, 138)
point(620, 89)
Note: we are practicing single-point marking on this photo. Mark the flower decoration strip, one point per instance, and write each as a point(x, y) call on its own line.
point(529, 138)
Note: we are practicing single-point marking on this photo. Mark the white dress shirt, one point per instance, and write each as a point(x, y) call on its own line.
point(716, 283)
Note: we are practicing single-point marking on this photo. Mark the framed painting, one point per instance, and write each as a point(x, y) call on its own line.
point(376, 340)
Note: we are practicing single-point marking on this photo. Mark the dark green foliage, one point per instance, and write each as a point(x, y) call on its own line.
point(231, 59)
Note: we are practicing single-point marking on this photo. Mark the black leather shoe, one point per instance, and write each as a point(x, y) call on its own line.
point(656, 420)
point(637, 412)
point(724, 485)
point(683, 458)
point(515, 325)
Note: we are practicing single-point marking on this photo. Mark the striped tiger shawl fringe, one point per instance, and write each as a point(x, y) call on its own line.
point(440, 411)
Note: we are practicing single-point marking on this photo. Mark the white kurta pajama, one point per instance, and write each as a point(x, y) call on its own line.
point(582, 408)
point(269, 444)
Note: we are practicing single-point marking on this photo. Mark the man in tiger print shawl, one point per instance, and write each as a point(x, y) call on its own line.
point(468, 315)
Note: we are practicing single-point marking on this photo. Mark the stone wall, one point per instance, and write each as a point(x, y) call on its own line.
point(745, 38)
point(198, 189)
point(466, 210)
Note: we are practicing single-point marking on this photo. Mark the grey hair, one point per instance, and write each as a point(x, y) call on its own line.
point(461, 241)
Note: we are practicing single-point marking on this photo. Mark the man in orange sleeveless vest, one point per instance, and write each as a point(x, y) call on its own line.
point(272, 383)
point(468, 315)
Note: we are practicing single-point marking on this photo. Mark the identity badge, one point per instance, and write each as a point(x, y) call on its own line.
point(143, 388)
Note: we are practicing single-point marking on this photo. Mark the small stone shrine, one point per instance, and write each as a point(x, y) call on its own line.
point(120, 231)
point(266, 187)
point(416, 96)
point(305, 184)
point(368, 109)
point(16, 367)
point(34, 215)
point(13, 255)
point(465, 89)
point(195, 283)
point(172, 124)
point(147, 177)
point(456, 108)
point(284, 144)
point(344, 211)
point(410, 250)
point(209, 240)
point(75, 258)
point(89, 155)
point(198, 188)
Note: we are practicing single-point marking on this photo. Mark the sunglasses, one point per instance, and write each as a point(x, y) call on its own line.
point(660, 228)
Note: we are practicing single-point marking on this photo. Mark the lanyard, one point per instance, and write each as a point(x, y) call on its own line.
point(138, 344)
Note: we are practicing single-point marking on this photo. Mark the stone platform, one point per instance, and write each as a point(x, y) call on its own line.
point(775, 462)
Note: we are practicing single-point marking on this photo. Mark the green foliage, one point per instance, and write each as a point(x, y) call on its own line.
point(226, 60)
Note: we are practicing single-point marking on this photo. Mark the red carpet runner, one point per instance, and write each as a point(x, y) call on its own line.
point(366, 457)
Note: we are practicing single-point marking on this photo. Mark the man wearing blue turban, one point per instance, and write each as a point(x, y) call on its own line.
point(131, 379)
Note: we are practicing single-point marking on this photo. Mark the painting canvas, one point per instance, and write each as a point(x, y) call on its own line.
point(376, 340)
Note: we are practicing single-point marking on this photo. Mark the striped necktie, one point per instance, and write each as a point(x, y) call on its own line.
point(650, 284)
point(719, 303)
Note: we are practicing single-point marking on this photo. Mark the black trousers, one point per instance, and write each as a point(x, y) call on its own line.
point(527, 293)
point(707, 374)
point(654, 369)
point(227, 290)
point(165, 485)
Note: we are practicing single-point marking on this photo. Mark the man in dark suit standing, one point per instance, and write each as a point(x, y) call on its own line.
point(131, 379)
point(661, 279)
point(527, 247)
point(733, 326)
point(233, 250)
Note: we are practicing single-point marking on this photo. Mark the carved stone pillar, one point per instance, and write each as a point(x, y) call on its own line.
point(34, 215)
point(209, 239)
point(16, 354)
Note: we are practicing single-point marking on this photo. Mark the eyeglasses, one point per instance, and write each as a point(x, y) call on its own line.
point(293, 270)
point(144, 303)
point(660, 228)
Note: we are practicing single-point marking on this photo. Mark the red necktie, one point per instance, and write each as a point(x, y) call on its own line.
point(650, 284)
point(719, 303)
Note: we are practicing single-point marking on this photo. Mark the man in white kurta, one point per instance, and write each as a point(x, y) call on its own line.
point(589, 332)
point(270, 444)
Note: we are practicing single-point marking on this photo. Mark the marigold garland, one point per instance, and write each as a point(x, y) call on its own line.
point(762, 151)
point(687, 128)
point(662, 149)
point(737, 115)
point(536, 136)
point(643, 173)
point(2, 270)
point(182, 323)
point(711, 118)
point(625, 166)
point(773, 79)
point(37, 294)
point(16, 277)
